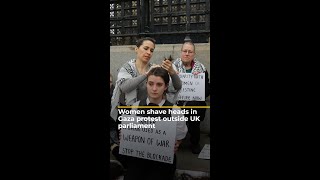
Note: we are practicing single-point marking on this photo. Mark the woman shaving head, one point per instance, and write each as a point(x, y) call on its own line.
point(131, 82)
point(157, 84)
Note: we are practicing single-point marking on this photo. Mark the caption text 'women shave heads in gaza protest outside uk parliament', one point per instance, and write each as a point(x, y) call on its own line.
point(152, 111)
point(149, 121)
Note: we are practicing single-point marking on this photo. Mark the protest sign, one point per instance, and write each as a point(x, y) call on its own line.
point(155, 144)
point(193, 87)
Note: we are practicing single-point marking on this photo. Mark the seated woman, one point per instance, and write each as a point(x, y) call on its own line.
point(138, 168)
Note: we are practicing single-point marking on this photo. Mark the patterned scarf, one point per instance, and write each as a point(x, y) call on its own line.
point(128, 71)
point(197, 66)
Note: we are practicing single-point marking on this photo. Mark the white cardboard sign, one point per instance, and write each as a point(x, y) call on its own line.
point(193, 87)
point(155, 144)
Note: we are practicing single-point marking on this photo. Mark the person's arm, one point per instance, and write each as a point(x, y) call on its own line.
point(130, 84)
point(172, 70)
point(176, 81)
point(181, 129)
point(207, 85)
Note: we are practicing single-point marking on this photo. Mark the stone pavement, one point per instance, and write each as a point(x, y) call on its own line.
point(188, 164)
point(186, 160)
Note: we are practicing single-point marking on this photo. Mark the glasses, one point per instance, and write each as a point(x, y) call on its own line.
point(186, 51)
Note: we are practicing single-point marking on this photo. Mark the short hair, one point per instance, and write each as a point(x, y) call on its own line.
point(159, 71)
point(140, 41)
point(191, 43)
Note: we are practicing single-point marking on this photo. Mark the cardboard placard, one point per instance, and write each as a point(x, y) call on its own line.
point(155, 144)
point(193, 87)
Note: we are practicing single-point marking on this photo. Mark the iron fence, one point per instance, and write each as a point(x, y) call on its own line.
point(168, 21)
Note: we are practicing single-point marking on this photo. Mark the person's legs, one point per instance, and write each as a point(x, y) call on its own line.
point(163, 171)
point(142, 169)
point(137, 169)
point(116, 169)
point(194, 130)
point(121, 158)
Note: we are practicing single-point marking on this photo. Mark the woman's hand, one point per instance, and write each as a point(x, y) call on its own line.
point(176, 145)
point(167, 65)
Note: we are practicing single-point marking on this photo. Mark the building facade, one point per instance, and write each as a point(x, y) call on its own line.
point(167, 21)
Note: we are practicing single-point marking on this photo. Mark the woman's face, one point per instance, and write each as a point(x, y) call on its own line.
point(187, 53)
point(145, 51)
point(156, 87)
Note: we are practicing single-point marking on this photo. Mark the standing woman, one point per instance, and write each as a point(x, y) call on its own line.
point(131, 83)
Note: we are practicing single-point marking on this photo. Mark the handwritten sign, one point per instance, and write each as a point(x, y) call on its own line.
point(155, 144)
point(193, 87)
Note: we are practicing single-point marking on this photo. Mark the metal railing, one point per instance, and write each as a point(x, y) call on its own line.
point(168, 21)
